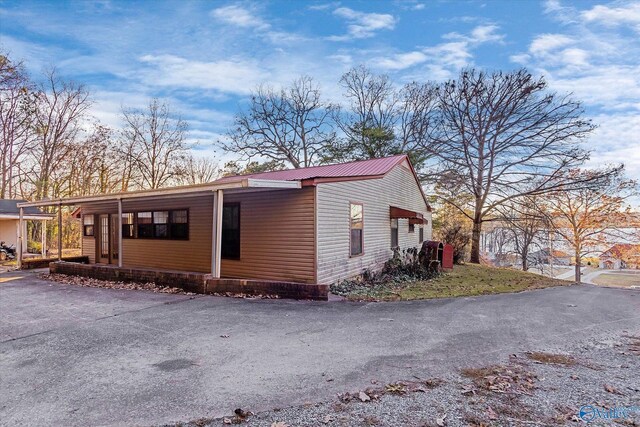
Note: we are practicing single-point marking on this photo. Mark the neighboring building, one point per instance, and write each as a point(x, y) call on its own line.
point(10, 220)
point(621, 255)
point(545, 256)
point(312, 225)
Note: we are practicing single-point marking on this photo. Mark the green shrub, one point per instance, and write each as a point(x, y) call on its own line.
point(34, 247)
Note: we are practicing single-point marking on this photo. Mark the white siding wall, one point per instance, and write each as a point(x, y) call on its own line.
point(397, 188)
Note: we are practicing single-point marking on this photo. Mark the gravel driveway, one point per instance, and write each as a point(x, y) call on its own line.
point(84, 356)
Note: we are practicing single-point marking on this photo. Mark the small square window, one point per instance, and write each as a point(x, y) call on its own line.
point(87, 225)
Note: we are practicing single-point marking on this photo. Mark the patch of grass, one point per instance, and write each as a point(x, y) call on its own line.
point(464, 280)
point(550, 358)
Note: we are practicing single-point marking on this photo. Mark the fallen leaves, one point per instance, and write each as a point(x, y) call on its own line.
point(244, 296)
point(500, 379)
point(88, 282)
point(397, 388)
point(441, 421)
point(610, 389)
point(364, 397)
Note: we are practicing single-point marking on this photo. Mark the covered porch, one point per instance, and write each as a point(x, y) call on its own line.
point(234, 234)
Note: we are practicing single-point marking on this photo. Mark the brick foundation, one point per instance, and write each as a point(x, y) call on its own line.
point(200, 283)
point(189, 281)
point(266, 287)
point(31, 263)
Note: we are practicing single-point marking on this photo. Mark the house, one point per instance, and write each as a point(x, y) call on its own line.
point(546, 256)
point(315, 225)
point(621, 255)
point(10, 221)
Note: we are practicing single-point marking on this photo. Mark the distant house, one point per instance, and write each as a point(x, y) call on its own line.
point(621, 255)
point(313, 225)
point(545, 256)
point(10, 220)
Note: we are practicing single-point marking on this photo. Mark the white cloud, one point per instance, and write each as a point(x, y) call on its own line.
point(445, 59)
point(402, 60)
point(240, 17)
point(614, 16)
point(545, 43)
point(226, 76)
point(600, 68)
point(363, 25)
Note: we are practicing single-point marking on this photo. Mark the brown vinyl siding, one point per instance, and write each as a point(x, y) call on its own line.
point(89, 247)
point(277, 233)
point(193, 254)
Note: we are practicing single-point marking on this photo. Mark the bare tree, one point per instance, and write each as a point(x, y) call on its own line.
point(503, 136)
point(291, 126)
point(60, 109)
point(587, 218)
point(153, 141)
point(93, 166)
point(198, 170)
point(15, 122)
point(382, 120)
point(527, 225)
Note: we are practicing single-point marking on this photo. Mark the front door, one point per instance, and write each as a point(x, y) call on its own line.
point(104, 239)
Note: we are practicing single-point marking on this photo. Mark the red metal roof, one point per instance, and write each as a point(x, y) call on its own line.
point(361, 168)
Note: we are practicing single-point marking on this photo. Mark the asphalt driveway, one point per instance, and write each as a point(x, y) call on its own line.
point(85, 356)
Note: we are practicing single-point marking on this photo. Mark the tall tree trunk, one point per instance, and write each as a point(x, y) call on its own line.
point(525, 262)
point(578, 275)
point(475, 241)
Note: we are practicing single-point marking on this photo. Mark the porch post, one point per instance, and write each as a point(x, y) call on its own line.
point(59, 232)
point(43, 239)
point(20, 236)
point(119, 232)
point(216, 238)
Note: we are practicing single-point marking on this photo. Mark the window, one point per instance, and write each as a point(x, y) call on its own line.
point(231, 231)
point(145, 224)
point(161, 225)
point(421, 235)
point(356, 229)
point(87, 225)
point(179, 224)
point(394, 233)
point(127, 225)
point(412, 228)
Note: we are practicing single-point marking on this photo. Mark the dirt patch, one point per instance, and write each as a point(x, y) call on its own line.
point(551, 358)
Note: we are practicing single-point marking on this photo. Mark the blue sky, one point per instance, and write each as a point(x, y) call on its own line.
point(205, 57)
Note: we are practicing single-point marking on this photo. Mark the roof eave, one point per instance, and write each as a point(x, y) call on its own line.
point(182, 190)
